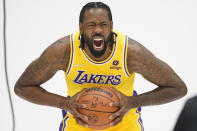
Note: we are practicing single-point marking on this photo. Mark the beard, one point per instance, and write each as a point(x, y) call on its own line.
point(89, 42)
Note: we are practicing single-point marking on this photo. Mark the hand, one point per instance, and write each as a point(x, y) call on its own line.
point(72, 105)
point(124, 105)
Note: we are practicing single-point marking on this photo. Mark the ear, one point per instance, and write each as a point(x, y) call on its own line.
point(111, 25)
point(80, 27)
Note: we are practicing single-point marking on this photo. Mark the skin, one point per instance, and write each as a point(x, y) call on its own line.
point(139, 60)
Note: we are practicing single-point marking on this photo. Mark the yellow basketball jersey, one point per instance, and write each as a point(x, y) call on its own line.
point(84, 72)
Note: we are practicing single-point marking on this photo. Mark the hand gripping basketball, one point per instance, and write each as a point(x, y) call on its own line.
point(72, 106)
point(124, 107)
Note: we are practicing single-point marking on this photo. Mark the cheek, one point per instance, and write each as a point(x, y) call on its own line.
point(107, 31)
point(107, 35)
point(88, 33)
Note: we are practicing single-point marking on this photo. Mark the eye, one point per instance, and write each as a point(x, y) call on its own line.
point(91, 24)
point(103, 24)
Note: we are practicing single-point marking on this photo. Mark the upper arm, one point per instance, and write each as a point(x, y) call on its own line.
point(54, 58)
point(142, 61)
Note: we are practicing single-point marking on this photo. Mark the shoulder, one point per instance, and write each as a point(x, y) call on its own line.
point(58, 52)
point(137, 55)
point(135, 48)
point(60, 46)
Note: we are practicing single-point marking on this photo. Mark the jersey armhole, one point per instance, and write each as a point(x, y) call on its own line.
point(125, 56)
point(71, 56)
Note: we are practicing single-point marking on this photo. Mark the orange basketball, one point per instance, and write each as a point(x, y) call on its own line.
point(97, 109)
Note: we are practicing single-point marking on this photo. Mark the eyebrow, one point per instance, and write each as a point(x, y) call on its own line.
point(92, 22)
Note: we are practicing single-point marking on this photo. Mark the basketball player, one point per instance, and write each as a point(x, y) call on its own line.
point(94, 56)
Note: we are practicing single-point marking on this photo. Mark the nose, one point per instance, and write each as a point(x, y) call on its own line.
point(98, 29)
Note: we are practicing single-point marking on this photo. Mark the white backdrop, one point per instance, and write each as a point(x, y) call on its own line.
point(166, 27)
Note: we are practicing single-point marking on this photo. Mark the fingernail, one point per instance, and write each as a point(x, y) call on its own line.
point(84, 106)
point(86, 118)
point(110, 104)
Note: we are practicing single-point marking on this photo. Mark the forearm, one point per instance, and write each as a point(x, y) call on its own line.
point(38, 95)
point(160, 95)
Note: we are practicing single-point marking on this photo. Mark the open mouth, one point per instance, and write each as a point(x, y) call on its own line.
point(98, 44)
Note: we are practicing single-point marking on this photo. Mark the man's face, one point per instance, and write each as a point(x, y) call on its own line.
point(96, 29)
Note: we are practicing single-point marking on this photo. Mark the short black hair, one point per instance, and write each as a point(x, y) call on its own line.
point(94, 5)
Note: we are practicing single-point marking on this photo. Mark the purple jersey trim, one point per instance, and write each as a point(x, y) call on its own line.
point(62, 128)
point(140, 120)
point(72, 55)
point(125, 56)
point(138, 111)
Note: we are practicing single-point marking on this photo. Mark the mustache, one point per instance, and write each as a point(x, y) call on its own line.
point(97, 35)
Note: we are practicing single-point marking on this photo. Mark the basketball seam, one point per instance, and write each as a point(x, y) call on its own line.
point(98, 95)
point(98, 111)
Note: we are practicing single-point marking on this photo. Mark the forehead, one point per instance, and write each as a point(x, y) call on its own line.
point(96, 14)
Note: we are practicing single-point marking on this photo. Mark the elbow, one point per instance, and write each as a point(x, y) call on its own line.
point(183, 90)
point(18, 90)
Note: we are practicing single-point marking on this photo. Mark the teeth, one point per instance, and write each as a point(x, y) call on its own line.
point(97, 39)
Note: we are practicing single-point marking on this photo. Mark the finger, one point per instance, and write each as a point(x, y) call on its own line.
point(115, 104)
point(77, 95)
point(118, 113)
point(81, 122)
point(116, 121)
point(76, 116)
point(117, 92)
point(79, 115)
point(77, 105)
point(80, 105)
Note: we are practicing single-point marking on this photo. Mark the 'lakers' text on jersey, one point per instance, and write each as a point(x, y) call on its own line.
point(83, 77)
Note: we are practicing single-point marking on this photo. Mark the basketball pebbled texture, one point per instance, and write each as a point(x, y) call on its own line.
point(97, 109)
